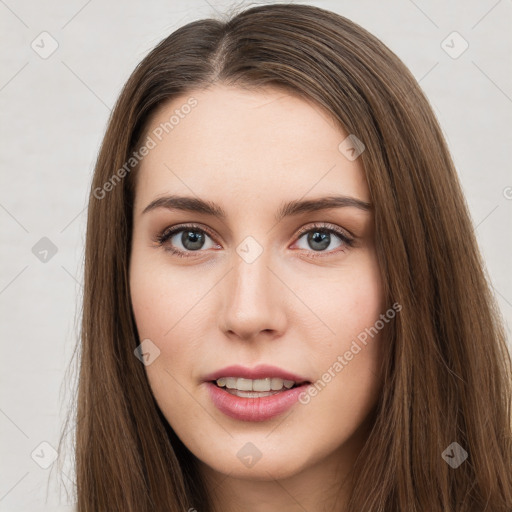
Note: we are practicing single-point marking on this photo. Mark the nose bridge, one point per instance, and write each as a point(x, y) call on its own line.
point(251, 301)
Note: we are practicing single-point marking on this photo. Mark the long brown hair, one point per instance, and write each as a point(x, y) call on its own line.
point(447, 369)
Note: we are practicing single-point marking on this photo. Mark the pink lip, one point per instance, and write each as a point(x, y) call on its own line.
point(258, 372)
point(254, 409)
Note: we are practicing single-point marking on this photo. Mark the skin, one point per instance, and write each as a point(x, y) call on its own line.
point(249, 151)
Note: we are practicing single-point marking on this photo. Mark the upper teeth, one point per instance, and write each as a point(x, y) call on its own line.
point(267, 384)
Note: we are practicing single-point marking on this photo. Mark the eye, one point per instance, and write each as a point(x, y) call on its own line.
point(319, 238)
point(182, 239)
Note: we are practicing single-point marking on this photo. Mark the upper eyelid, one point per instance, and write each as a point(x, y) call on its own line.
point(176, 229)
point(327, 226)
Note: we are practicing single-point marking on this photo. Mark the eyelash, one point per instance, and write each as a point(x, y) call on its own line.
point(167, 233)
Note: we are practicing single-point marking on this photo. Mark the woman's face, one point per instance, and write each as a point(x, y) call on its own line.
point(257, 281)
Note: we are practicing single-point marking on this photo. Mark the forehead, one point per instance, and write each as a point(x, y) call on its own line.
point(230, 141)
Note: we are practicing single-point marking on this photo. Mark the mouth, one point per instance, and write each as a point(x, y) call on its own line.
point(256, 388)
point(254, 400)
point(259, 393)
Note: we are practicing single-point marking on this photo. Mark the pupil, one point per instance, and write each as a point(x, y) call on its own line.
point(323, 240)
point(192, 240)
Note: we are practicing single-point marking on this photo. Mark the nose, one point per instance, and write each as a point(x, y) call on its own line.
point(252, 304)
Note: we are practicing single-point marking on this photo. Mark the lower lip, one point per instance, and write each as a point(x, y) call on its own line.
point(254, 409)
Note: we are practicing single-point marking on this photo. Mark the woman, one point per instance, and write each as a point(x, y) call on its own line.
point(284, 303)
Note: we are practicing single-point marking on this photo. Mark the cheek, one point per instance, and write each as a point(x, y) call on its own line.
point(348, 303)
point(348, 355)
point(164, 314)
point(162, 298)
point(170, 309)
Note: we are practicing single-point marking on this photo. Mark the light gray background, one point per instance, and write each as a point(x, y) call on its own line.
point(54, 112)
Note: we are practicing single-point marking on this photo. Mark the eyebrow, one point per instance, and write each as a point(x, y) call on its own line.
point(296, 207)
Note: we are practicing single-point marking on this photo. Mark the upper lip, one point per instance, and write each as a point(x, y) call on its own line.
point(258, 372)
